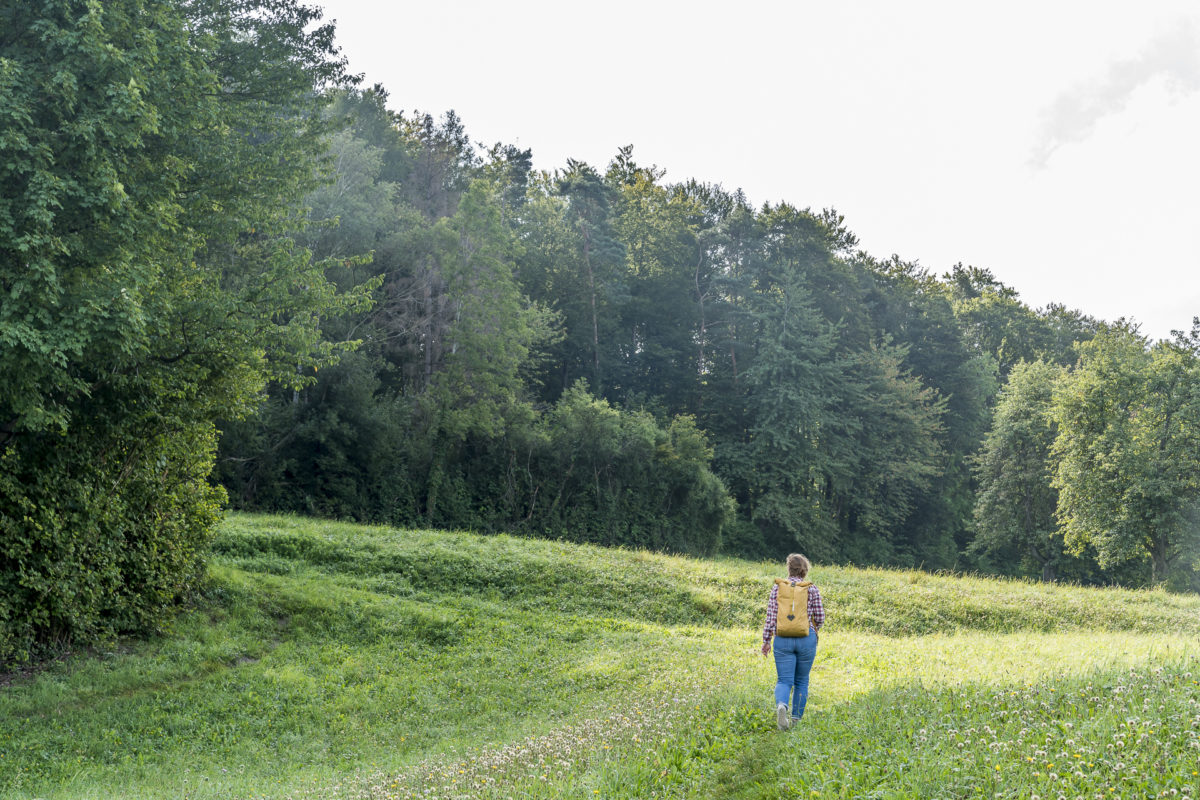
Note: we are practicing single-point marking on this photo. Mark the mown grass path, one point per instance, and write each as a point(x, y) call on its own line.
point(331, 660)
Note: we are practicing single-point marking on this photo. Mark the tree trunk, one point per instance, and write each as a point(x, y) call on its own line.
point(1160, 561)
point(1048, 572)
point(700, 304)
point(587, 260)
point(428, 308)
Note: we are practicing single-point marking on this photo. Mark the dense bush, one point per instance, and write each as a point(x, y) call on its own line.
point(596, 474)
point(582, 471)
point(122, 539)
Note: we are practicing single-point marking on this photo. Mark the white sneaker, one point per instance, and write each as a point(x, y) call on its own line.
point(781, 717)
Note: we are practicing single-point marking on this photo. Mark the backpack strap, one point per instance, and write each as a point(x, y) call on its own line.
point(805, 585)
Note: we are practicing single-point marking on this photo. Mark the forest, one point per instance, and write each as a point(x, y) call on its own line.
point(232, 276)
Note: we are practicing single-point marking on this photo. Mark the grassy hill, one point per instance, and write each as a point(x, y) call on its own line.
point(333, 660)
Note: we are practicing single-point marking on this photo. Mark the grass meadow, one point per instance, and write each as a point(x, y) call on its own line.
point(329, 660)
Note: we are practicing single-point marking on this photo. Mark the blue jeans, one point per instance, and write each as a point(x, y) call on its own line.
point(793, 660)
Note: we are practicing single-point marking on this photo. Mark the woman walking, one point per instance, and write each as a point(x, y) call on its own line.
point(795, 637)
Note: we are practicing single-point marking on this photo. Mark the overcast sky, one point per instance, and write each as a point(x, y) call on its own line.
point(1056, 144)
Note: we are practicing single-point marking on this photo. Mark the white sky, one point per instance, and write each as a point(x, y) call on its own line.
point(1055, 143)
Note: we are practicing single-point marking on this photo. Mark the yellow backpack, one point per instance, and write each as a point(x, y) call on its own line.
point(793, 608)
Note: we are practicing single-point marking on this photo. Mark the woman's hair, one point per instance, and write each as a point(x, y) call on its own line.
point(798, 566)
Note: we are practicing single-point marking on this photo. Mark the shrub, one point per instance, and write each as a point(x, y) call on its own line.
point(121, 540)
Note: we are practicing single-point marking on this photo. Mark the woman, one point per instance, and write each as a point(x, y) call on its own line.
point(794, 653)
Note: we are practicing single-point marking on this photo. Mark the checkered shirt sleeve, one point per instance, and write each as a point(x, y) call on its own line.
point(816, 609)
point(772, 614)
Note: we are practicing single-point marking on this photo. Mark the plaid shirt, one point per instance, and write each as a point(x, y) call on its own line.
point(816, 610)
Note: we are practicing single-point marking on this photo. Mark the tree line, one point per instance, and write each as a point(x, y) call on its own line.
point(605, 355)
point(230, 274)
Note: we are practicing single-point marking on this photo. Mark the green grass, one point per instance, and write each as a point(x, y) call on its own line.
point(333, 660)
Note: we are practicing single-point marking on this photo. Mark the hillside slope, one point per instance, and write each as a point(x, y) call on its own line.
point(330, 659)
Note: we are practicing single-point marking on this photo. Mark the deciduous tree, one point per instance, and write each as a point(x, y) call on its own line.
point(1016, 504)
point(1128, 451)
point(152, 155)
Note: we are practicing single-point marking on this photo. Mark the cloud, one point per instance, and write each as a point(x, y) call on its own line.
point(1173, 56)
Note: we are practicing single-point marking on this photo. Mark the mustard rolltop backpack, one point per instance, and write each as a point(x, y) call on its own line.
point(793, 608)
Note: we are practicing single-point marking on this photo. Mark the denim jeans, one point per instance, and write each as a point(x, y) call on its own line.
point(793, 660)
